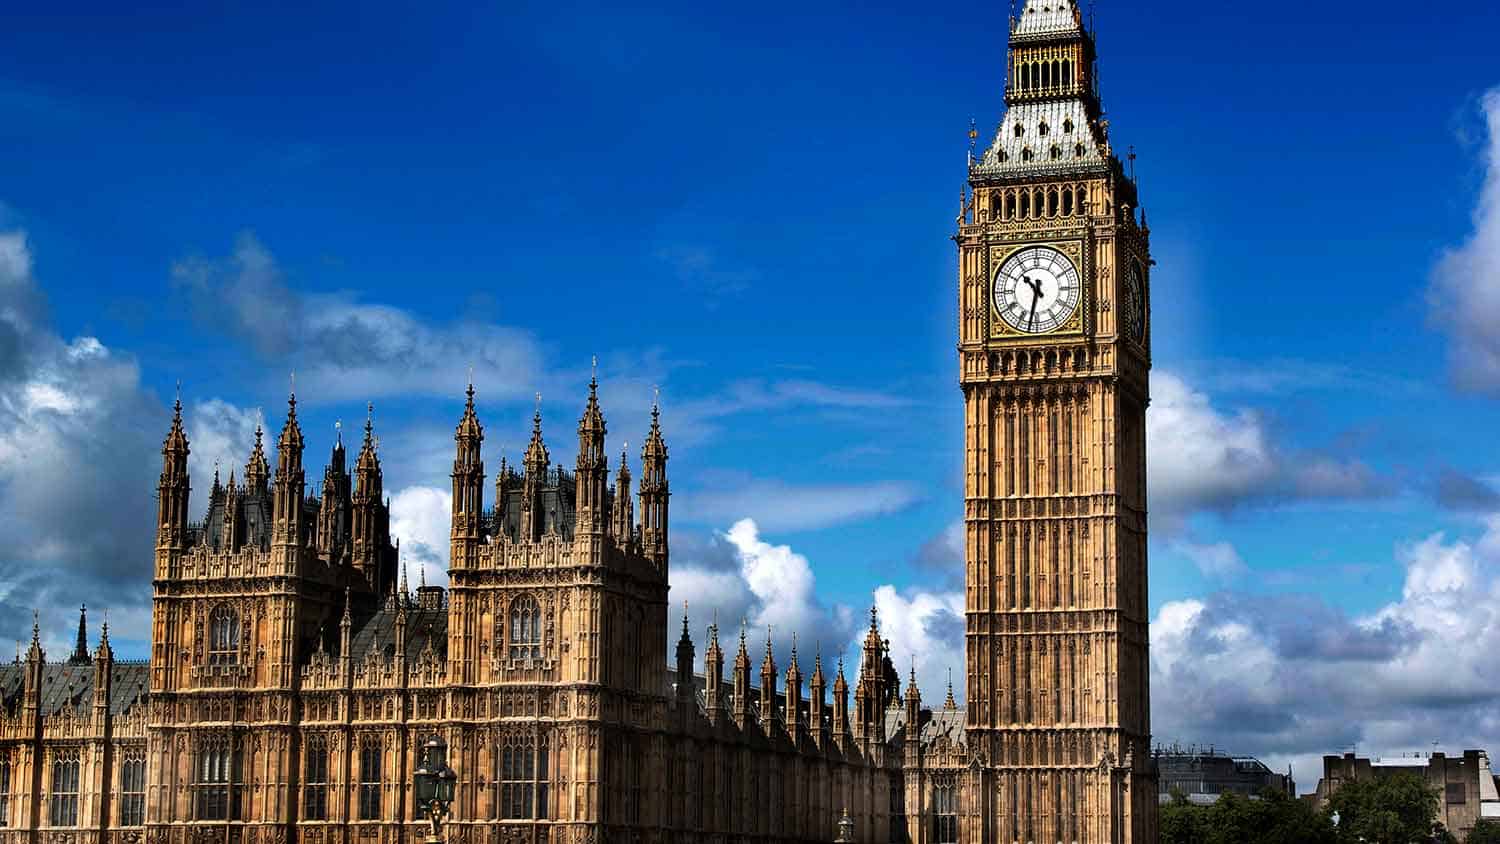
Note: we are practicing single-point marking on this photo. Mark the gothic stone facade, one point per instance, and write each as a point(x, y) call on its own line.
point(1054, 354)
point(293, 676)
point(293, 680)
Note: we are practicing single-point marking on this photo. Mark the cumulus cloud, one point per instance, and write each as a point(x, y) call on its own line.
point(1291, 678)
point(1465, 291)
point(927, 627)
point(1204, 458)
point(421, 518)
point(779, 506)
point(220, 435)
point(79, 447)
point(738, 575)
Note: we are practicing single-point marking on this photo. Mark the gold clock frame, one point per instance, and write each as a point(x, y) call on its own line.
point(1075, 325)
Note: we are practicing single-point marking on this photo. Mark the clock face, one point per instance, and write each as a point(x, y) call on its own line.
point(1037, 290)
point(1134, 314)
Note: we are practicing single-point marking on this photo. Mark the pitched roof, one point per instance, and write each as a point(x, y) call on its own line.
point(1049, 17)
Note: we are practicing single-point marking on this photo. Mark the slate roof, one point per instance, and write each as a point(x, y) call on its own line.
point(68, 685)
point(1008, 154)
point(1048, 17)
point(379, 630)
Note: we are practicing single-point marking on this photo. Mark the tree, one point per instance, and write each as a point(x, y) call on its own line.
point(1269, 818)
point(1395, 809)
point(1484, 832)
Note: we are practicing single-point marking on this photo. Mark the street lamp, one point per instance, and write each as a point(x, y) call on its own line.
point(434, 785)
point(846, 826)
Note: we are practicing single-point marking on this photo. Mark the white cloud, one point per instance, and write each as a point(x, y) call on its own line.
point(421, 518)
point(1465, 292)
point(1203, 458)
point(221, 434)
point(929, 627)
point(79, 447)
point(738, 575)
point(1290, 678)
point(779, 506)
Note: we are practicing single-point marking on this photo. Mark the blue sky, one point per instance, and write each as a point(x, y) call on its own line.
point(750, 207)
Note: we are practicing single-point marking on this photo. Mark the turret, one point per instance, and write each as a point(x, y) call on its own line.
point(257, 470)
point(685, 690)
point(290, 483)
point(817, 688)
point(333, 510)
point(654, 493)
point(173, 488)
point(742, 683)
point(536, 462)
point(840, 705)
point(870, 698)
point(590, 513)
point(468, 487)
point(36, 661)
point(793, 694)
point(504, 482)
point(713, 675)
point(913, 709)
point(346, 642)
point(622, 520)
point(369, 522)
point(768, 686)
point(104, 663)
point(230, 535)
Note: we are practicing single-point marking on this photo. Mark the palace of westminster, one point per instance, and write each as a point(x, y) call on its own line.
point(293, 677)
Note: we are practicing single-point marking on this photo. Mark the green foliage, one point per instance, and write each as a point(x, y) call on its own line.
point(1274, 818)
point(1395, 809)
point(1484, 832)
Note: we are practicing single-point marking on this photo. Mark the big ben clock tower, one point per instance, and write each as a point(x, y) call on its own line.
point(1054, 354)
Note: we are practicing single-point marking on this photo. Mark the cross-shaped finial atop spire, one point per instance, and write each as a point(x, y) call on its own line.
point(594, 365)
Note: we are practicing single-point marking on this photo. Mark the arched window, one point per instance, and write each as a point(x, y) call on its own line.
point(1020, 130)
point(369, 779)
point(1078, 151)
point(223, 636)
point(1067, 72)
point(523, 778)
point(1026, 154)
point(1042, 129)
point(5, 788)
point(525, 629)
point(133, 788)
point(1010, 206)
point(1055, 152)
point(62, 808)
point(1025, 204)
point(216, 781)
point(945, 813)
point(1068, 127)
point(1052, 203)
point(1067, 201)
point(315, 779)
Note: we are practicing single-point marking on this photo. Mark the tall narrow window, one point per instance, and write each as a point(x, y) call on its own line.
point(223, 636)
point(133, 788)
point(945, 813)
point(369, 780)
point(525, 629)
point(4, 791)
point(523, 778)
point(63, 804)
point(898, 811)
point(216, 781)
point(315, 779)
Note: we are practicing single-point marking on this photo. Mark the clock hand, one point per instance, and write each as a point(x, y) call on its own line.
point(1036, 295)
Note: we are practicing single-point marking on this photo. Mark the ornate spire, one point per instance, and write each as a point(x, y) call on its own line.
point(104, 652)
point(257, 468)
point(536, 452)
point(176, 441)
point(468, 424)
point(291, 431)
point(81, 646)
point(949, 703)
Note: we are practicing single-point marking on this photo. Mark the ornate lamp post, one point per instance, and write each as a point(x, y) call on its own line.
point(846, 827)
point(434, 785)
